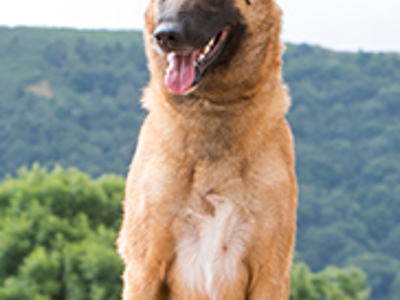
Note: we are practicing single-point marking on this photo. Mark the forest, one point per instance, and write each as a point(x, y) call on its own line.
point(70, 98)
point(58, 231)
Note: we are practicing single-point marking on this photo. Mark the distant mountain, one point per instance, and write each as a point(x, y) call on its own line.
point(71, 97)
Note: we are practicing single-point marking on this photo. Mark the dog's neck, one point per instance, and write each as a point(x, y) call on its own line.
point(212, 129)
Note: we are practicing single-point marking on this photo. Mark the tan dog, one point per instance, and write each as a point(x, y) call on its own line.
point(210, 207)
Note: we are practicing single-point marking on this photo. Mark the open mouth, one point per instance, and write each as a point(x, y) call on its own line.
point(185, 70)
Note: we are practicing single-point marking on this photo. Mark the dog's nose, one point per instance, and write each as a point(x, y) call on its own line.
point(169, 36)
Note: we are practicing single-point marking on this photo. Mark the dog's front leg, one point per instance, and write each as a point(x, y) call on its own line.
point(147, 237)
point(141, 283)
point(269, 289)
point(271, 277)
point(145, 273)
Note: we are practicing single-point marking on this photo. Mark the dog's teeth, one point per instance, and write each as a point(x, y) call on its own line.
point(211, 42)
point(201, 57)
point(208, 47)
point(206, 50)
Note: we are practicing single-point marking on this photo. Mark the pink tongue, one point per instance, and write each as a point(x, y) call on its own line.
point(180, 73)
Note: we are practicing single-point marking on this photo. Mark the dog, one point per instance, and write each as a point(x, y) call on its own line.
point(211, 194)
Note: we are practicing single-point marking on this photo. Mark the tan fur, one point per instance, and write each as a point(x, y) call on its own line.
point(210, 206)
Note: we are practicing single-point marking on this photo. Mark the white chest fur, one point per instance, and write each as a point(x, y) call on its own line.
point(212, 247)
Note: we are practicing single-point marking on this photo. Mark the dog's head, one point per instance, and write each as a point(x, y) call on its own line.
point(217, 49)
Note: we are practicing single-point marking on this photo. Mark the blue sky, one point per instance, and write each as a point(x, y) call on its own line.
point(369, 25)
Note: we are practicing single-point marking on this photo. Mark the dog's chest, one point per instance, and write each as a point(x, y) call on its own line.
point(211, 248)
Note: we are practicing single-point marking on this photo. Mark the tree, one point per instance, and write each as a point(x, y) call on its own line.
point(57, 233)
point(330, 284)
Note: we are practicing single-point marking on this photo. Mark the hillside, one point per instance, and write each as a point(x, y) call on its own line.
point(345, 120)
point(70, 97)
point(55, 246)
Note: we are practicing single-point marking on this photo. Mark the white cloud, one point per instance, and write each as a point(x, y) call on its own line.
point(339, 24)
point(343, 24)
point(110, 14)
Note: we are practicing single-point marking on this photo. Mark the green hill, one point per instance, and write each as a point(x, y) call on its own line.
point(70, 97)
point(55, 246)
point(345, 118)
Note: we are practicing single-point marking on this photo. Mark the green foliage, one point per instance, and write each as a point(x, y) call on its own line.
point(95, 79)
point(330, 284)
point(345, 120)
point(57, 233)
point(344, 117)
